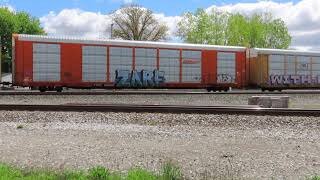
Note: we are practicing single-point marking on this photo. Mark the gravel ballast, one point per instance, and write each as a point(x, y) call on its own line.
point(251, 147)
point(296, 100)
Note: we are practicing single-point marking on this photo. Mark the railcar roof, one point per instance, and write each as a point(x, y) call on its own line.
point(286, 52)
point(56, 39)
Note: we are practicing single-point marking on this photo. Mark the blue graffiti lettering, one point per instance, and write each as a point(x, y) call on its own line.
point(121, 77)
point(158, 77)
point(147, 80)
point(136, 79)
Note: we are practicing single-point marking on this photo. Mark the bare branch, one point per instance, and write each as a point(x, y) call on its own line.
point(136, 23)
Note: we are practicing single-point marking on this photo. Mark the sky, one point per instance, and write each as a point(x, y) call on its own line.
point(91, 18)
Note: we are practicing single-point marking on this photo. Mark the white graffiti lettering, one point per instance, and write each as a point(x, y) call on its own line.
point(225, 78)
point(293, 79)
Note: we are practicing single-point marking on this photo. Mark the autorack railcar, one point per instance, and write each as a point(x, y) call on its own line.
point(275, 69)
point(51, 63)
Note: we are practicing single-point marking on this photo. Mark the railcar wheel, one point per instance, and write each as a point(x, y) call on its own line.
point(59, 89)
point(42, 89)
point(210, 89)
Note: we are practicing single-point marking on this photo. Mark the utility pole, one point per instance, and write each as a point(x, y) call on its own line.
point(111, 31)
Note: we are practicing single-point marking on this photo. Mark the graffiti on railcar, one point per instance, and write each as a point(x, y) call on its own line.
point(225, 78)
point(293, 79)
point(136, 79)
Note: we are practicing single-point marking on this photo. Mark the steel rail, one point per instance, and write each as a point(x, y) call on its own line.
point(251, 110)
point(27, 93)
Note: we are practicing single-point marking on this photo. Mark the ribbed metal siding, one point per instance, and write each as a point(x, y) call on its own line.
point(226, 67)
point(170, 64)
point(315, 66)
point(191, 66)
point(146, 59)
point(303, 65)
point(120, 59)
point(277, 64)
point(46, 62)
point(291, 65)
point(94, 64)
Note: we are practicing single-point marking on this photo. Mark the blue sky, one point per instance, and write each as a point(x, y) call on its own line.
point(169, 7)
point(91, 18)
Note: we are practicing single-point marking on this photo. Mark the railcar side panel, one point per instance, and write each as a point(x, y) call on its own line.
point(46, 62)
point(170, 65)
point(18, 63)
point(226, 68)
point(241, 69)
point(209, 67)
point(71, 64)
point(191, 66)
point(264, 69)
point(247, 69)
point(146, 66)
point(27, 63)
point(253, 74)
point(94, 64)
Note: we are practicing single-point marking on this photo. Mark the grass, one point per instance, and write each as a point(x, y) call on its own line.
point(168, 172)
point(314, 178)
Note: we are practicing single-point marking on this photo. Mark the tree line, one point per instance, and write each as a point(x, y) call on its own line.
point(133, 22)
point(15, 22)
point(221, 28)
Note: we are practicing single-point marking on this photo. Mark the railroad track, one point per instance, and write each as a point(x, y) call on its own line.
point(252, 110)
point(152, 92)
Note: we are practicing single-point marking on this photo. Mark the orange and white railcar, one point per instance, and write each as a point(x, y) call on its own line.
point(47, 62)
point(275, 69)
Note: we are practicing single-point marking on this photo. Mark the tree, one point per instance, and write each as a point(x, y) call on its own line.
point(137, 23)
point(7, 27)
point(203, 27)
point(219, 28)
point(15, 22)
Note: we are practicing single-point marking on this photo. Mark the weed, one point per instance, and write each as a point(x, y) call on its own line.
point(98, 173)
point(138, 173)
point(170, 172)
point(20, 126)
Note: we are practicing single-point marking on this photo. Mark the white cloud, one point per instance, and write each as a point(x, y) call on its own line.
point(128, 1)
point(302, 19)
point(122, 1)
point(6, 5)
point(75, 22)
point(171, 22)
